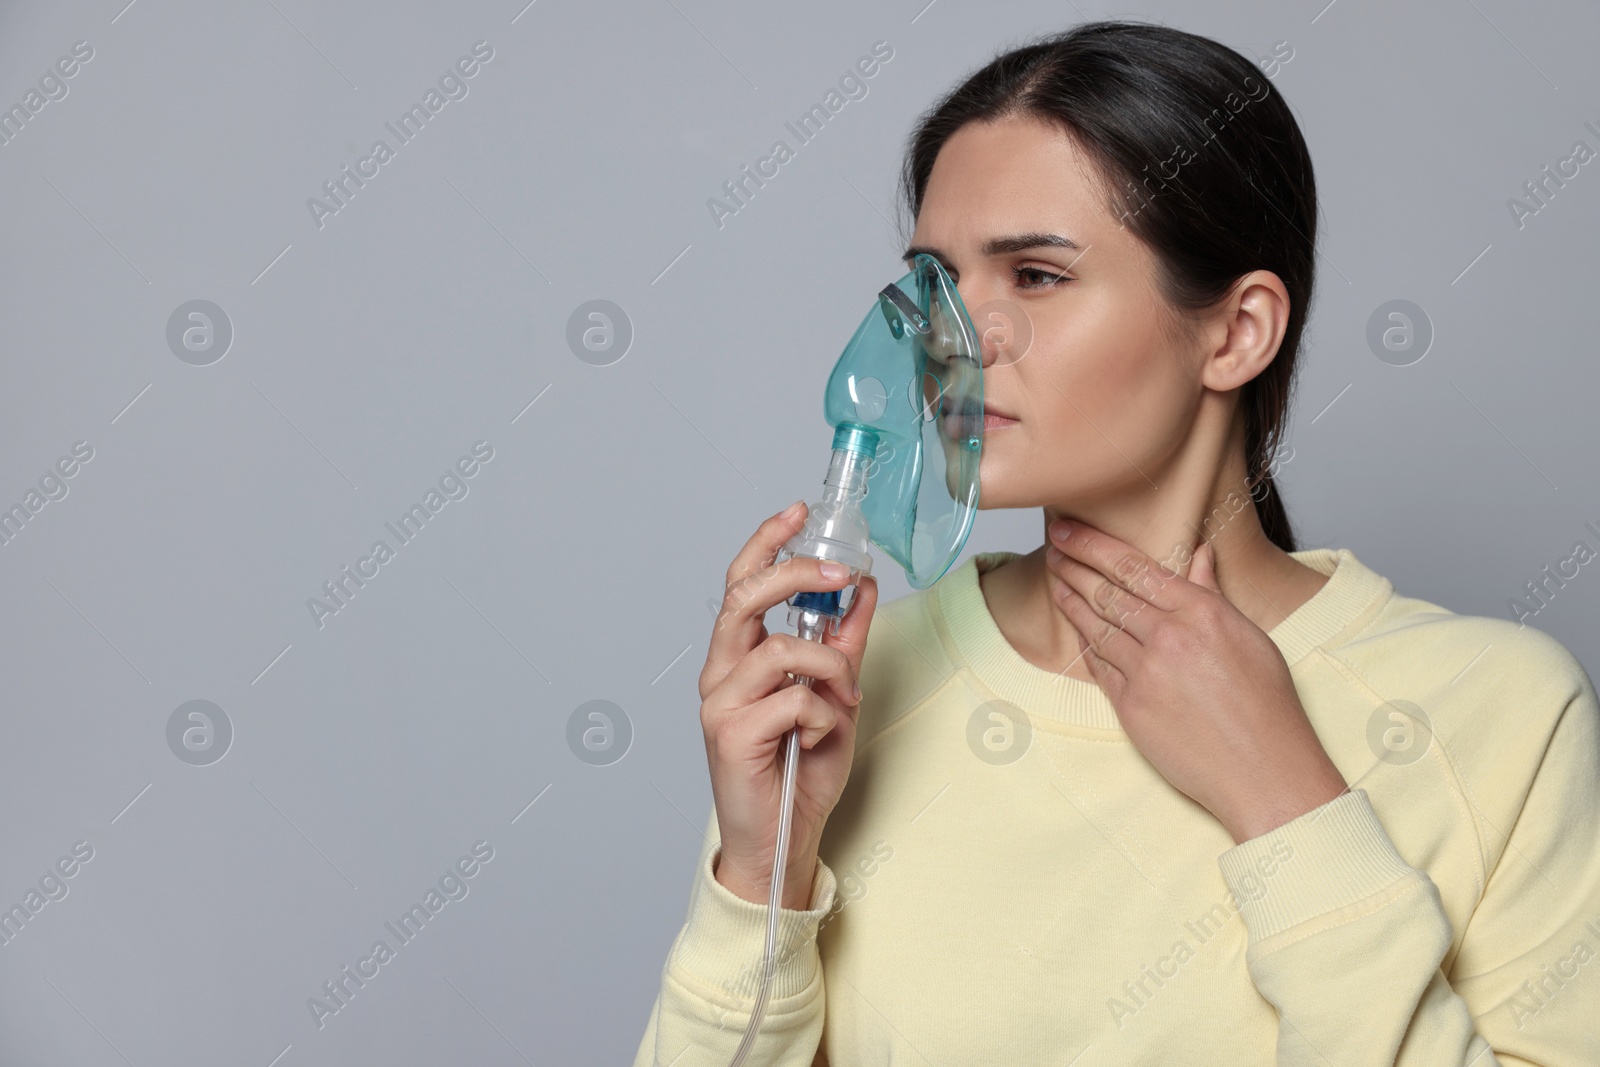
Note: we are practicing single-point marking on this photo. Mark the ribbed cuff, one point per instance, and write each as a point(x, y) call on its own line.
point(723, 944)
point(1331, 856)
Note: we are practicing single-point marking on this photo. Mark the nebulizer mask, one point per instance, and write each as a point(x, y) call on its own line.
point(906, 403)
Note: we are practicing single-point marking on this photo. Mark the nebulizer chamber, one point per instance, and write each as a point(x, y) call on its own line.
point(906, 403)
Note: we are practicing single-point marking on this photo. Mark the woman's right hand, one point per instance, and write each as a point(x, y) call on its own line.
point(749, 701)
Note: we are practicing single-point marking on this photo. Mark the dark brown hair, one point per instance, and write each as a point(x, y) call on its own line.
point(1240, 197)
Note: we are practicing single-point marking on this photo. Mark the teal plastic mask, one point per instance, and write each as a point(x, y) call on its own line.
point(908, 392)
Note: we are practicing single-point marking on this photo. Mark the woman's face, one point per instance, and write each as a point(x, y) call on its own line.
point(1087, 365)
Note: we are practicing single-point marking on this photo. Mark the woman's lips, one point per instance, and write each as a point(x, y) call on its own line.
point(992, 420)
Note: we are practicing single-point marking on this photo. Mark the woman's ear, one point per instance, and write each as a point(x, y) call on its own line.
point(1252, 320)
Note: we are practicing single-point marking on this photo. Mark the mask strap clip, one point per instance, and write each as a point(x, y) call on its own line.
point(902, 311)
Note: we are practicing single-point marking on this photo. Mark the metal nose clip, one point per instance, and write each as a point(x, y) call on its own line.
point(902, 311)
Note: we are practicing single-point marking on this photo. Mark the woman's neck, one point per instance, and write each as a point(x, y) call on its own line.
point(1260, 579)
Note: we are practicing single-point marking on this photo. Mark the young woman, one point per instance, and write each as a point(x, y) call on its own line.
point(1166, 789)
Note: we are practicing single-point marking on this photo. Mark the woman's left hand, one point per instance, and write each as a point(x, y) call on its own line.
point(1201, 690)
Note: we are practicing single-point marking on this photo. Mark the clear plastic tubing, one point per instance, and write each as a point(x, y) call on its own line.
point(835, 530)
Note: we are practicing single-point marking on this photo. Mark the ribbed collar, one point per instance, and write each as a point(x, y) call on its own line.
point(1351, 595)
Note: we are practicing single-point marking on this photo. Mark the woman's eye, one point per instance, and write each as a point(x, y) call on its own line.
point(1041, 279)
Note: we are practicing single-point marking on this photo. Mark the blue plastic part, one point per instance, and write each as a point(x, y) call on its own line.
point(824, 603)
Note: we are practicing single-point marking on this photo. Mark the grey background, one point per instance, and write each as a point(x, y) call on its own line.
point(428, 314)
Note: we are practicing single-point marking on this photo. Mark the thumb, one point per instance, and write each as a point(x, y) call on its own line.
point(1203, 571)
point(852, 636)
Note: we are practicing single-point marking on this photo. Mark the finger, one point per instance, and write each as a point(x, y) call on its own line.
point(795, 707)
point(746, 602)
point(852, 636)
point(1110, 601)
point(750, 589)
point(1203, 571)
point(740, 627)
point(1120, 563)
point(769, 665)
point(852, 641)
point(1101, 637)
point(1104, 673)
point(762, 548)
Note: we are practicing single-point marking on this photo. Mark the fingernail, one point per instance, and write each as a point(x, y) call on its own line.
point(792, 510)
point(855, 690)
point(1060, 530)
point(834, 571)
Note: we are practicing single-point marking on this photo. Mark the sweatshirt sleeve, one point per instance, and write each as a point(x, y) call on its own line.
point(1346, 939)
point(713, 971)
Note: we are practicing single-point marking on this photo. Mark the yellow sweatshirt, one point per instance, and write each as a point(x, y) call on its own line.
point(1006, 880)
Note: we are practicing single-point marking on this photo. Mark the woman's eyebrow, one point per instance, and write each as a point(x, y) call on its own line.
point(997, 246)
